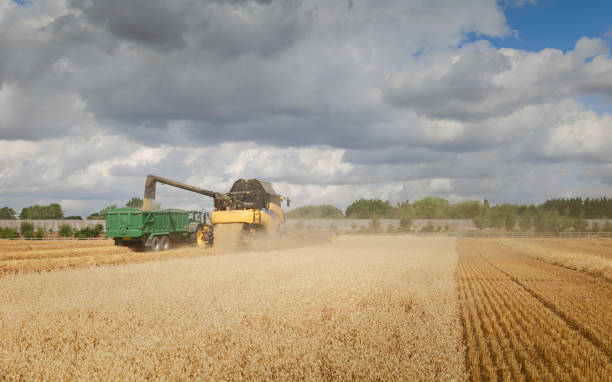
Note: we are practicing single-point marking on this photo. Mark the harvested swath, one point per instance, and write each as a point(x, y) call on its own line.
point(24, 245)
point(68, 251)
point(366, 308)
point(512, 334)
point(82, 254)
point(580, 261)
point(596, 246)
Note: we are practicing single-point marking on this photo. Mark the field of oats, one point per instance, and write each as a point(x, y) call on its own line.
point(366, 308)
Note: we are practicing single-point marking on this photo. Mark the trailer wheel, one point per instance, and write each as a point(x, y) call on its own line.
point(155, 244)
point(165, 243)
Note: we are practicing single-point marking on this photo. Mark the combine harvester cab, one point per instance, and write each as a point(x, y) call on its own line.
point(157, 230)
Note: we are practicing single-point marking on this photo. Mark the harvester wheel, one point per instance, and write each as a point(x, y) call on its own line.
point(155, 244)
point(165, 243)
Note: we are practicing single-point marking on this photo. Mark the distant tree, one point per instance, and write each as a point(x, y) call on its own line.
point(102, 214)
point(547, 221)
point(135, 202)
point(65, 230)
point(464, 210)
point(25, 227)
point(374, 225)
point(52, 211)
point(510, 221)
point(315, 212)
point(7, 213)
point(579, 224)
point(89, 231)
point(7, 233)
point(73, 217)
point(368, 209)
point(430, 208)
point(403, 209)
point(428, 227)
point(40, 232)
point(405, 223)
point(480, 221)
point(495, 217)
point(525, 221)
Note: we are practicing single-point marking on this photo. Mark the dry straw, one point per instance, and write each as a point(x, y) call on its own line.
point(585, 261)
point(366, 308)
point(528, 320)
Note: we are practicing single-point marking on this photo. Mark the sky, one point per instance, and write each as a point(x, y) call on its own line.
point(506, 100)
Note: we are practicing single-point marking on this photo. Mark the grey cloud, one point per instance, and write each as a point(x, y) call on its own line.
point(467, 82)
point(153, 22)
point(394, 155)
point(226, 28)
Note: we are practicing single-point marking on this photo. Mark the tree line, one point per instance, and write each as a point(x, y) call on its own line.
point(54, 211)
point(554, 215)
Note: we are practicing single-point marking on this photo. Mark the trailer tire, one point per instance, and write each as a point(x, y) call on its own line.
point(165, 243)
point(155, 244)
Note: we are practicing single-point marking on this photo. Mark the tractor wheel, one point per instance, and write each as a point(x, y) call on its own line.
point(155, 244)
point(200, 236)
point(165, 243)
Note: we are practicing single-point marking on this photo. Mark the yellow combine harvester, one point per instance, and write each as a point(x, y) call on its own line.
point(250, 207)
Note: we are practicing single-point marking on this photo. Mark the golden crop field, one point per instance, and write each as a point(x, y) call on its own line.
point(17, 256)
point(364, 308)
point(526, 319)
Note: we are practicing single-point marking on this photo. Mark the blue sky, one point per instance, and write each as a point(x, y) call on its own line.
point(556, 24)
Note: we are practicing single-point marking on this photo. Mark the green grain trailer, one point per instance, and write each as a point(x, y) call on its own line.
point(156, 229)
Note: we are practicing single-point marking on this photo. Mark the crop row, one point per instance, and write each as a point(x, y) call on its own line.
point(513, 335)
point(19, 257)
point(582, 300)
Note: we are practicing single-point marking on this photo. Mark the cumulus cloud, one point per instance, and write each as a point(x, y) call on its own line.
point(480, 82)
point(331, 101)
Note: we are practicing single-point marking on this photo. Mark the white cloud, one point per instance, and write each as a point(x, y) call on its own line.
point(581, 135)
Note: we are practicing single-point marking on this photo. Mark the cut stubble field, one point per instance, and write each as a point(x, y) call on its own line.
point(526, 319)
point(364, 308)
